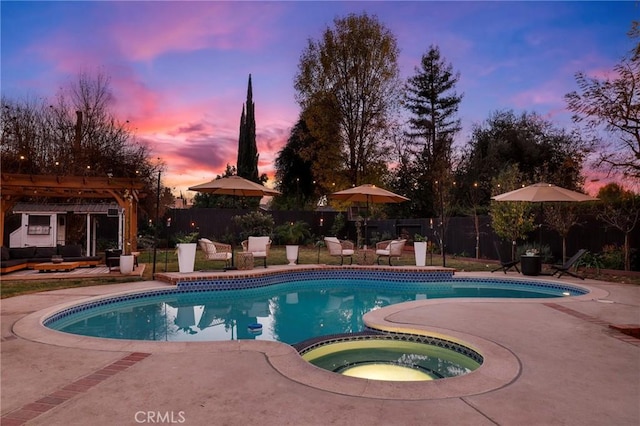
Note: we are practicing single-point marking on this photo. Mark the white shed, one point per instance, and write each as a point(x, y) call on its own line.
point(45, 225)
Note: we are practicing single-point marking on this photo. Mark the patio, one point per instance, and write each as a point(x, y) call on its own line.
point(574, 369)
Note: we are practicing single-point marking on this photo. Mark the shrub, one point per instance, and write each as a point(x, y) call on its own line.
point(254, 224)
point(612, 257)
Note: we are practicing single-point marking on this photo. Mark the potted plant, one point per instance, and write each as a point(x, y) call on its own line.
point(293, 234)
point(186, 250)
point(420, 249)
point(126, 258)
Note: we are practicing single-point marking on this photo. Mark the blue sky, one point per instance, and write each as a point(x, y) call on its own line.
point(179, 70)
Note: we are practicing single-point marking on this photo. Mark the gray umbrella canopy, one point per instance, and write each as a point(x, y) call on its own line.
point(542, 193)
point(234, 185)
point(368, 193)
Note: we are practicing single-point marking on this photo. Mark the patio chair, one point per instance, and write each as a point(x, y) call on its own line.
point(565, 268)
point(389, 249)
point(216, 251)
point(505, 265)
point(258, 246)
point(342, 248)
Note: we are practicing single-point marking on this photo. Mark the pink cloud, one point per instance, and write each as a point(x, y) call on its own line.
point(180, 26)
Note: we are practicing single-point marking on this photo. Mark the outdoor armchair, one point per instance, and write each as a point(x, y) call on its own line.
point(341, 248)
point(258, 246)
point(389, 249)
point(216, 251)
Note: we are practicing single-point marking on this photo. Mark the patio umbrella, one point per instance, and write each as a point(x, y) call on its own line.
point(234, 185)
point(368, 193)
point(542, 193)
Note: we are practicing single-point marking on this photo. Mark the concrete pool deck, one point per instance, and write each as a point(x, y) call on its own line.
point(563, 365)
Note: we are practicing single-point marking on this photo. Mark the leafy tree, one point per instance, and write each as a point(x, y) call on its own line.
point(620, 209)
point(294, 171)
point(431, 99)
point(613, 104)
point(351, 76)
point(561, 217)
point(75, 134)
point(511, 220)
point(541, 152)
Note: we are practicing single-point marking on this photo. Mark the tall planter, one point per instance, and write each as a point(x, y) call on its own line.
point(292, 254)
point(126, 263)
point(420, 251)
point(186, 256)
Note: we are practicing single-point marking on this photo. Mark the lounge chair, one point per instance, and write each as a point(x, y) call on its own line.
point(216, 251)
point(258, 246)
point(505, 265)
point(389, 249)
point(342, 248)
point(564, 268)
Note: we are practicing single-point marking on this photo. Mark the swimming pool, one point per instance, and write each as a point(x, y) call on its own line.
point(290, 307)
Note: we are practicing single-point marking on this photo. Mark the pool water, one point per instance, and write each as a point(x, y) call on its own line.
point(289, 312)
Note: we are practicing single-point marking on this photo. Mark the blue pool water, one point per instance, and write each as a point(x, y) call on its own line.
point(288, 312)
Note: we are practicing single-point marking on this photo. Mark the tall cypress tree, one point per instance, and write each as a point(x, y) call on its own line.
point(247, 149)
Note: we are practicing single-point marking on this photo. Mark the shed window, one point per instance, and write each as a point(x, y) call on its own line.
point(39, 225)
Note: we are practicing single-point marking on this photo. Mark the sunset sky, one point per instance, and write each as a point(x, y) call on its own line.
point(179, 70)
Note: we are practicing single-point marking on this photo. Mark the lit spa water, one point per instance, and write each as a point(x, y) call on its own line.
point(290, 312)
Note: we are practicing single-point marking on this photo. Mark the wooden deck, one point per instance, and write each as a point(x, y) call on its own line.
point(100, 271)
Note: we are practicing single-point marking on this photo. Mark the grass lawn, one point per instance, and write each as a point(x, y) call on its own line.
point(167, 261)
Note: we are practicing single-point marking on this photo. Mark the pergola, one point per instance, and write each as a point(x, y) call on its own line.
point(126, 191)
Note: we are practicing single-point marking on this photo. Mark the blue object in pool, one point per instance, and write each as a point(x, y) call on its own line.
point(289, 312)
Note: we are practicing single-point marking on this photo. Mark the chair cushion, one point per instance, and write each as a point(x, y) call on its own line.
point(383, 252)
point(258, 244)
point(347, 252)
point(220, 256)
point(22, 252)
point(332, 240)
point(210, 247)
point(46, 252)
point(70, 250)
point(259, 253)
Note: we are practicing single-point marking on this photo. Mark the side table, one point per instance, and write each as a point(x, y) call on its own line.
point(365, 256)
point(531, 265)
point(244, 261)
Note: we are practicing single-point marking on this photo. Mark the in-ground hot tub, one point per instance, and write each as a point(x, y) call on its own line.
point(391, 356)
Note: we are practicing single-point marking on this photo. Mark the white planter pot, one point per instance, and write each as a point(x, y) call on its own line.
point(126, 263)
point(186, 256)
point(420, 250)
point(292, 254)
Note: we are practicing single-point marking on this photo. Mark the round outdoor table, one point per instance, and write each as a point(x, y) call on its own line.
point(365, 256)
point(244, 260)
point(531, 265)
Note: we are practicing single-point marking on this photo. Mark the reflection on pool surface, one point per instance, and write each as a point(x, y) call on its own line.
point(290, 312)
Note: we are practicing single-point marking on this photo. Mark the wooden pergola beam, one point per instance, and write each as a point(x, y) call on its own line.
point(16, 186)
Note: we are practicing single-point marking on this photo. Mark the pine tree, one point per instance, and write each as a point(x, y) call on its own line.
point(247, 149)
point(431, 99)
